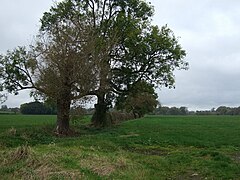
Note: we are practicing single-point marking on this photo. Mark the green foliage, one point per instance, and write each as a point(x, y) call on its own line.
point(15, 70)
point(150, 55)
point(128, 48)
point(139, 99)
point(223, 110)
point(164, 110)
point(37, 108)
point(4, 108)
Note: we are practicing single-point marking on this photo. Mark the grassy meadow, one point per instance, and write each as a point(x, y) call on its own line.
point(154, 147)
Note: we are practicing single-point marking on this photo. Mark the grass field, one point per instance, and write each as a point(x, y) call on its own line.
point(181, 147)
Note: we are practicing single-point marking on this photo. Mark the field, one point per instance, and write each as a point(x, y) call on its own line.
point(154, 147)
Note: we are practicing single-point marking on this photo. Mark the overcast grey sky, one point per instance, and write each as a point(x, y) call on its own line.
point(209, 31)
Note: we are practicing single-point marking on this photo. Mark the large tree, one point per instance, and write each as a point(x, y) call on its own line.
point(141, 52)
point(59, 65)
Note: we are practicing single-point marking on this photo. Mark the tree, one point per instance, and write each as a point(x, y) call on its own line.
point(4, 108)
point(36, 108)
point(174, 111)
point(162, 110)
point(183, 110)
point(33, 108)
point(140, 99)
point(222, 110)
point(140, 51)
point(59, 65)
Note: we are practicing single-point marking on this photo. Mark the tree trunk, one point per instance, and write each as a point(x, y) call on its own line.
point(63, 111)
point(99, 118)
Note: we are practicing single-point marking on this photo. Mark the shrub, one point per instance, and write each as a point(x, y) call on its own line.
point(116, 116)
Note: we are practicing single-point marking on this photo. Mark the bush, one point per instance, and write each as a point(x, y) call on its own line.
point(117, 117)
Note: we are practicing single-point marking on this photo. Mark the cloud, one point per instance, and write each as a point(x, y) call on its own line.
point(19, 21)
point(209, 32)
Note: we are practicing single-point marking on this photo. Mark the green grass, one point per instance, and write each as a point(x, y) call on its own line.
point(154, 147)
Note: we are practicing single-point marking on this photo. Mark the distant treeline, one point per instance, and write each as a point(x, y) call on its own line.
point(164, 110)
point(222, 110)
point(38, 108)
point(5, 110)
point(43, 108)
point(50, 108)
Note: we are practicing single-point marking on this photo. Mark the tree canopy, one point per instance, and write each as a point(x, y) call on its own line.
point(140, 51)
point(58, 65)
point(140, 99)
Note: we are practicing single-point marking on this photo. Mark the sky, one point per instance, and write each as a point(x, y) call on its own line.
point(209, 31)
